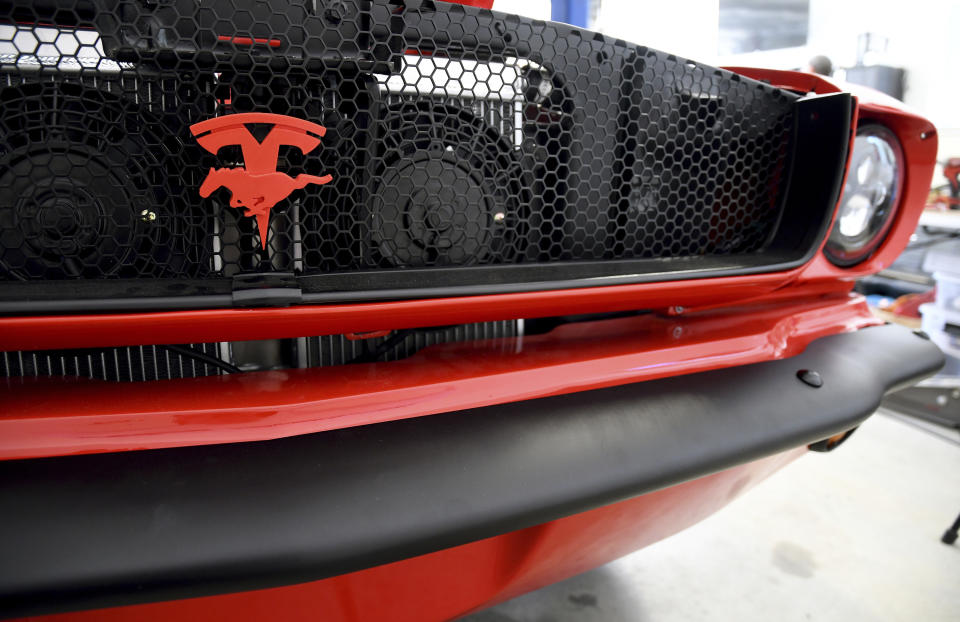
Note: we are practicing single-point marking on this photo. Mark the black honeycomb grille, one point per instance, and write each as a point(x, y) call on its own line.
point(456, 137)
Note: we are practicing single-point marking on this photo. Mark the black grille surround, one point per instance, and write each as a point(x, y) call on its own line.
point(471, 152)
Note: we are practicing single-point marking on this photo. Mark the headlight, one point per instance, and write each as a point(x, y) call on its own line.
point(870, 196)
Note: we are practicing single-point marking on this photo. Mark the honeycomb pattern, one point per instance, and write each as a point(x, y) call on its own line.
point(455, 137)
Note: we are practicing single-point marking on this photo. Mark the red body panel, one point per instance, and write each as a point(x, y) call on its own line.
point(99, 330)
point(452, 582)
point(700, 325)
point(45, 417)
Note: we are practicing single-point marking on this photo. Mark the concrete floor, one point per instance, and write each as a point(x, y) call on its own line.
point(852, 535)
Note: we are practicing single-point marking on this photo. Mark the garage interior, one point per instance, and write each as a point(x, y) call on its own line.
point(864, 527)
point(850, 535)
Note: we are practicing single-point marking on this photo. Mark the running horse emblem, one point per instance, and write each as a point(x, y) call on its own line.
point(257, 186)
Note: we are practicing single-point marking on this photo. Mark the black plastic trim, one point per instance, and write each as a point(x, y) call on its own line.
point(114, 529)
point(821, 151)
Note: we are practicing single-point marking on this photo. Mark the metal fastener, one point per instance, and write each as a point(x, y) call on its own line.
point(810, 377)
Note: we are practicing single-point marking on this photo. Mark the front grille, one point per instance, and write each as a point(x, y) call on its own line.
point(455, 137)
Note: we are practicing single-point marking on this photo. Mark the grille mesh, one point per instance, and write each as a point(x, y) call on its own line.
point(455, 137)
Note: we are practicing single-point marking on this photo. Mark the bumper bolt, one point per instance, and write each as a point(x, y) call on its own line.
point(334, 13)
point(810, 377)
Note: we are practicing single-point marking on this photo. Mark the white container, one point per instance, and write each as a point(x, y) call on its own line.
point(943, 260)
point(948, 290)
point(943, 326)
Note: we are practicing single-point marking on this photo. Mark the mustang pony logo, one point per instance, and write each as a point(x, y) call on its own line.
point(257, 186)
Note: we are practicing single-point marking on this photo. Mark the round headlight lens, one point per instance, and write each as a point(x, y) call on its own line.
point(870, 196)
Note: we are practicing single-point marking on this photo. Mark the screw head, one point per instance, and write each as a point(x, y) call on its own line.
point(148, 215)
point(334, 13)
point(810, 378)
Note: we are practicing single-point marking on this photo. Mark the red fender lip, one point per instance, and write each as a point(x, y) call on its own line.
point(58, 416)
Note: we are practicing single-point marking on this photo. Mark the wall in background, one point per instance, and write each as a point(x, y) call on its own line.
point(688, 28)
point(924, 38)
point(537, 9)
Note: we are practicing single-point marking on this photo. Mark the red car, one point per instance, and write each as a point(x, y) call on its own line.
point(392, 310)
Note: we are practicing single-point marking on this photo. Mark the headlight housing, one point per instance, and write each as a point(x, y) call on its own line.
point(870, 198)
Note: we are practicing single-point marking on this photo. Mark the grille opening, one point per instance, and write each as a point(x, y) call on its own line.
point(166, 362)
point(456, 137)
point(123, 364)
point(163, 362)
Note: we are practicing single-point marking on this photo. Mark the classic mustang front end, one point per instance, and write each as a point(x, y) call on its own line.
point(368, 309)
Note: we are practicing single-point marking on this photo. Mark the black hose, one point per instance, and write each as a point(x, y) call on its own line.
point(203, 357)
point(385, 346)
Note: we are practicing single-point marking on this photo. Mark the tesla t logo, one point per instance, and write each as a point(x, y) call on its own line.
point(257, 186)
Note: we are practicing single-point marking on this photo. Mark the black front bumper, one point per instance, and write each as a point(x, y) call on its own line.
point(113, 529)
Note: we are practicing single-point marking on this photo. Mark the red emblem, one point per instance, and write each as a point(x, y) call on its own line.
point(257, 186)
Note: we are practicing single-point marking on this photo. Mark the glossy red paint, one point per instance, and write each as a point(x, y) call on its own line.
point(44, 332)
point(274, 43)
point(46, 417)
point(798, 81)
point(257, 186)
point(453, 582)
